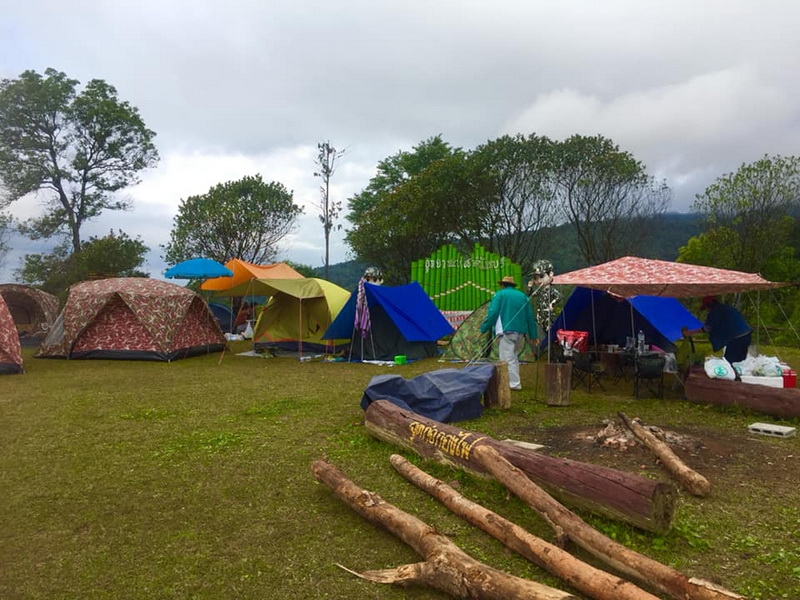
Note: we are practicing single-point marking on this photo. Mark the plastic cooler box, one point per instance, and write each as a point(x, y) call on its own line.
point(789, 378)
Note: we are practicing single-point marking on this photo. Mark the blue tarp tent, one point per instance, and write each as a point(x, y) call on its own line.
point(403, 321)
point(610, 319)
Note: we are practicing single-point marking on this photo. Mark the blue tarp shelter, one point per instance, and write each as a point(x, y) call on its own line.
point(403, 320)
point(610, 319)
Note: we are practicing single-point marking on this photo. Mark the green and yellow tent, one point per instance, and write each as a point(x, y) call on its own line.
point(297, 313)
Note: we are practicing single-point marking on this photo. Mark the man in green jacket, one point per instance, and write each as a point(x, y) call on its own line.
point(511, 318)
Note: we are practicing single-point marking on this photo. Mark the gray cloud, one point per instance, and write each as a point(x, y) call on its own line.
point(693, 89)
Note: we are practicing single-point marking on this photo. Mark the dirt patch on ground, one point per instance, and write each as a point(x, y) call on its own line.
point(713, 453)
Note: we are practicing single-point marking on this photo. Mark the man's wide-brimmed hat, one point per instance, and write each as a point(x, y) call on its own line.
point(507, 280)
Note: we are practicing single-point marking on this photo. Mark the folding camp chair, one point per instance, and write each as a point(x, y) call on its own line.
point(649, 373)
point(586, 371)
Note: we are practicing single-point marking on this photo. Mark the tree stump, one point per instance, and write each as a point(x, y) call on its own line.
point(557, 383)
point(498, 392)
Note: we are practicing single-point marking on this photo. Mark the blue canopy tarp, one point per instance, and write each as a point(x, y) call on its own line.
point(610, 319)
point(445, 395)
point(403, 320)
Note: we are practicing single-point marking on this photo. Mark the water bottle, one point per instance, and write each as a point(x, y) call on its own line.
point(640, 342)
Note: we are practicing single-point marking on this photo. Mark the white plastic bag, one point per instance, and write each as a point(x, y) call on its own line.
point(248, 332)
point(719, 368)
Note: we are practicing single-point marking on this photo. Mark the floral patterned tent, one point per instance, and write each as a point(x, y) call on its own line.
point(132, 318)
point(630, 276)
point(33, 310)
point(10, 353)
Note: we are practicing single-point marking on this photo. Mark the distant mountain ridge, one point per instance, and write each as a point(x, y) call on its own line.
point(673, 231)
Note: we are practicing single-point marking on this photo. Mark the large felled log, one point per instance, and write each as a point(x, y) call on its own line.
point(583, 577)
point(778, 402)
point(643, 502)
point(689, 479)
point(446, 567)
point(614, 554)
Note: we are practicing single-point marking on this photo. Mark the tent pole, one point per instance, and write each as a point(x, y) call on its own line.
point(758, 318)
point(594, 322)
point(300, 329)
point(633, 327)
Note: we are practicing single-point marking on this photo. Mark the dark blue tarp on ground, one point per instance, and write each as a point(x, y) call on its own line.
point(610, 319)
point(445, 395)
point(404, 321)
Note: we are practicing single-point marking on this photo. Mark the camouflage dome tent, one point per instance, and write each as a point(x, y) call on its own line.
point(132, 318)
point(33, 310)
point(470, 345)
point(10, 354)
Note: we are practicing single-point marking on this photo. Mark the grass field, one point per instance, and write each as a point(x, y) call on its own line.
point(191, 480)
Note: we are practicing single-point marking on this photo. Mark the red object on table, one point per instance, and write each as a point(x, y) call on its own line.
point(573, 340)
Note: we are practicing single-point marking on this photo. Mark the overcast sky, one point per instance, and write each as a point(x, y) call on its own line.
point(692, 88)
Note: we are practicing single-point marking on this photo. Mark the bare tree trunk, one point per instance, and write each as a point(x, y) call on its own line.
point(646, 503)
point(446, 567)
point(583, 577)
point(646, 570)
point(691, 480)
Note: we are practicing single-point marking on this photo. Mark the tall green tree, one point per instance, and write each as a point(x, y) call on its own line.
point(113, 255)
point(607, 196)
point(750, 224)
point(417, 216)
point(519, 204)
point(327, 158)
point(76, 149)
point(243, 219)
point(749, 210)
point(393, 171)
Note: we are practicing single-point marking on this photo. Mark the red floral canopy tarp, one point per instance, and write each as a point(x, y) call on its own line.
point(630, 276)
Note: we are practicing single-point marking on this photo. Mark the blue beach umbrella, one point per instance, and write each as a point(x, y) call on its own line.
point(198, 268)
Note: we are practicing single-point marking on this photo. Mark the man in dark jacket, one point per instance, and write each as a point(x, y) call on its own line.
point(726, 327)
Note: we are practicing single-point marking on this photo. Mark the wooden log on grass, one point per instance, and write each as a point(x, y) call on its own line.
point(778, 402)
point(585, 578)
point(689, 479)
point(643, 502)
point(624, 560)
point(445, 567)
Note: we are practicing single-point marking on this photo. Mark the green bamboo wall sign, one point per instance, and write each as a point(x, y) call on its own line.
point(458, 282)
